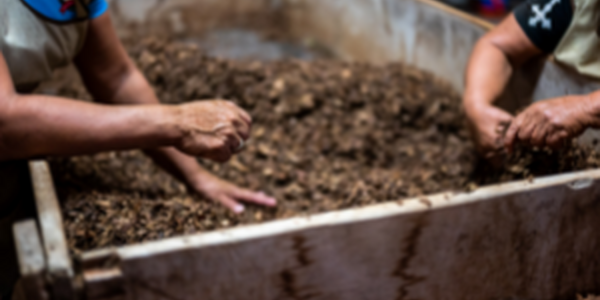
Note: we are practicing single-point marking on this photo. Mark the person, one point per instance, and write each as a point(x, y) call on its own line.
point(567, 29)
point(38, 36)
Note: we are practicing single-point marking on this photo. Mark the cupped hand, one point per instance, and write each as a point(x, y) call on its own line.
point(549, 123)
point(214, 129)
point(231, 195)
point(488, 125)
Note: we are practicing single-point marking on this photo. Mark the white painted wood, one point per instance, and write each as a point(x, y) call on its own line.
point(50, 218)
point(104, 283)
point(32, 262)
point(58, 261)
point(29, 248)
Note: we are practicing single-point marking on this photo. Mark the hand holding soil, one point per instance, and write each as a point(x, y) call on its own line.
point(488, 125)
point(214, 129)
point(550, 123)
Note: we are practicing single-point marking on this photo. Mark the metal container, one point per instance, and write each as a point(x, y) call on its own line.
point(523, 240)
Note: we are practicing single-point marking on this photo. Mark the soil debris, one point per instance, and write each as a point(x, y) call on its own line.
point(327, 135)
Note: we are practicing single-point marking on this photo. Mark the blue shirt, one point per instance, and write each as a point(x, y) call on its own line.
point(67, 11)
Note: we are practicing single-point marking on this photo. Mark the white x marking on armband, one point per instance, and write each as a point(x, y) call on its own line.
point(540, 15)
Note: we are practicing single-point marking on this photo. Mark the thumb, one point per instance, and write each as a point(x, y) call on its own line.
point(511, 134)
point(504, 117)
point(502, 127)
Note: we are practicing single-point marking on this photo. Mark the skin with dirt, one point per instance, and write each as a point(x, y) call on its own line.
point(327, 135)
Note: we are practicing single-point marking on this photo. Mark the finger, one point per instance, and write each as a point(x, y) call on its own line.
point(236, 143)
point(538, 136)
point(232, 140)
point(505, 119)
point(501, 128)
point(243, 129)
point(254, 197)
point(525, 132)
point(511, 134)
point(241, 113)
point(240, 147)
point(231, 204)
point(246, 117)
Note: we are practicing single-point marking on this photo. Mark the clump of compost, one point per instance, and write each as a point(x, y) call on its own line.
point(327, 135)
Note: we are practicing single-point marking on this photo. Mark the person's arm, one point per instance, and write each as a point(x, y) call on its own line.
point(111, 77)
point(492, 63)
point(35, 125)
point(523, 35)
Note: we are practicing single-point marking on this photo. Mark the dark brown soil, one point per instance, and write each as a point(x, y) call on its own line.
point(328, 135)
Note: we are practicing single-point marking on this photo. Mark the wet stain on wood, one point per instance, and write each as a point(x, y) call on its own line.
point(289, 283)
point(409, 252)
point(288, 277)
point(522, 246)
point(301, 251)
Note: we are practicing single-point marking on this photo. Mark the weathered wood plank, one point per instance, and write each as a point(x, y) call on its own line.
point(524, 240)
point(32, 262)
point(50, 218)
point(104, 283)
point(29, 248)
point(58, 260)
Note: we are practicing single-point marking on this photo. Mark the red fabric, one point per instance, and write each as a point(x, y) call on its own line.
point(66, 6)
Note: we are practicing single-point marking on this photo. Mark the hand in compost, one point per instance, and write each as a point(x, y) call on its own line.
point(214, 129)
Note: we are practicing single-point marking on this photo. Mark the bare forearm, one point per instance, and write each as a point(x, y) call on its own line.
point(501, 50)
point(133, 89)
point(488, 73)
point(42, 125)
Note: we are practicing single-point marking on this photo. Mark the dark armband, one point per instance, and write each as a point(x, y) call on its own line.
point(545, 21)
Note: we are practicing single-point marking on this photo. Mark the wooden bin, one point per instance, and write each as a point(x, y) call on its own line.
point(522, 240)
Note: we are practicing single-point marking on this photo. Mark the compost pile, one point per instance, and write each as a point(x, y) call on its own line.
point(327, 135)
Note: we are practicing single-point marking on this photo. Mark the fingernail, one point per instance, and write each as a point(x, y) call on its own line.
point(238, 209)
point(272, 201)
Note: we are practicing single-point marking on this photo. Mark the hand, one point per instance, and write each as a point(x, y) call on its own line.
point(550, 123)
point(229, 194)
point(487, 125)
point(213, 129)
